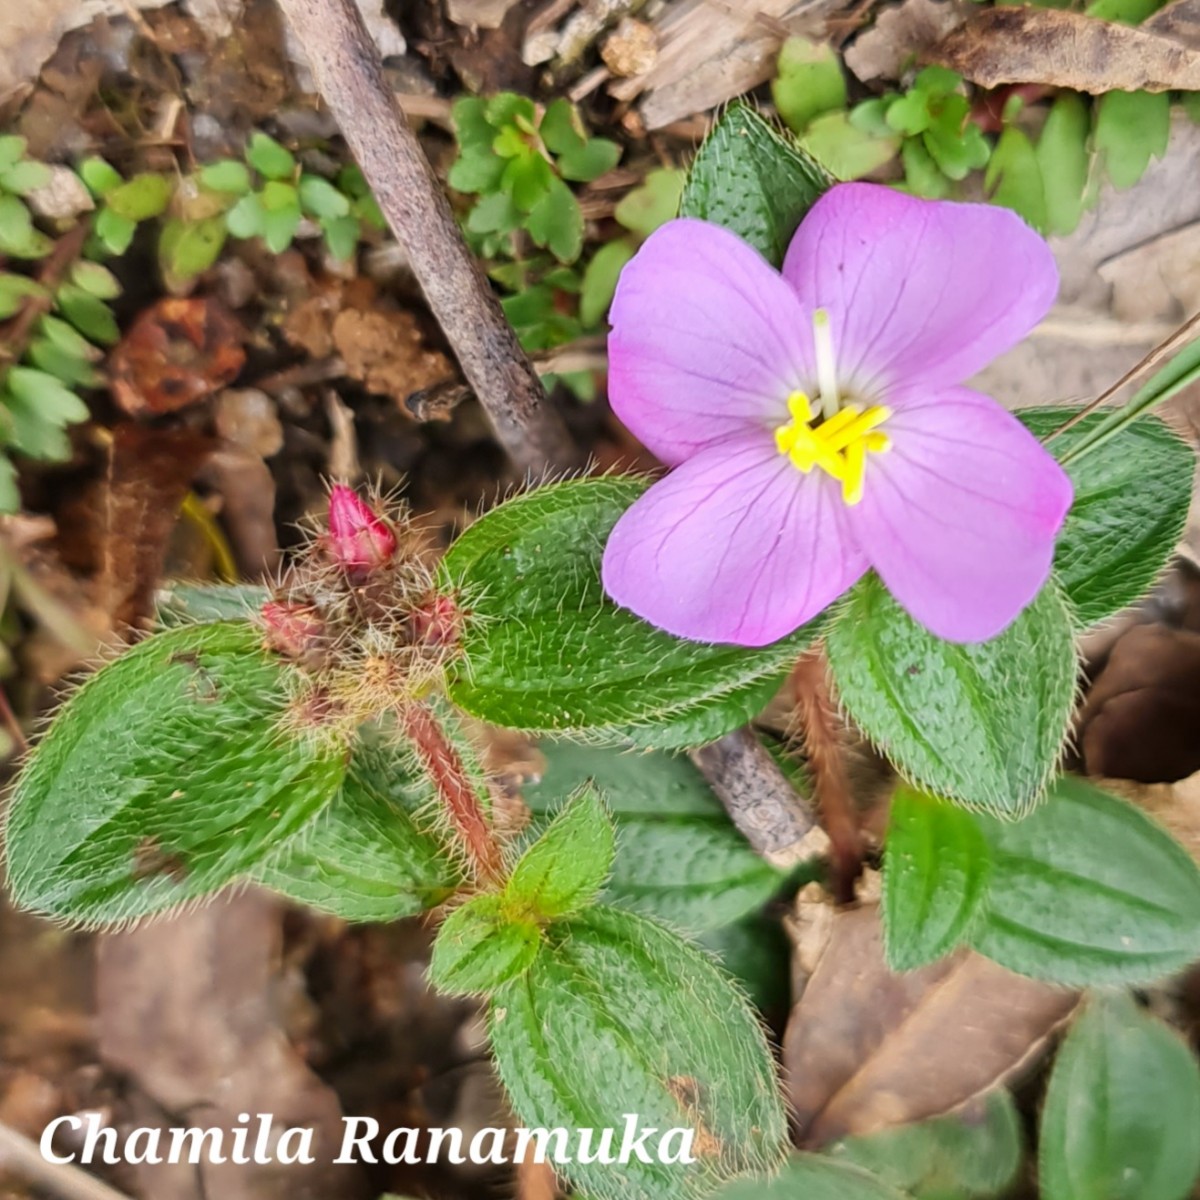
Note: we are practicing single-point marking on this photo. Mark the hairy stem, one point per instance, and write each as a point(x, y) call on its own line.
point(349, 76)
point(760, 801)
point(444, 766)
point(827, 766)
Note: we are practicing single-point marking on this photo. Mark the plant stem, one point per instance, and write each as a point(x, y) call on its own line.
point(760, 801)
point(455, 788)
point(15, 335)
point(827, 766)
point(349, 75)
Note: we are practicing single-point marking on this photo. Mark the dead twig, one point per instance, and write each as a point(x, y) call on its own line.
point(349, 76)
point(23, 1158)
point(771, 815)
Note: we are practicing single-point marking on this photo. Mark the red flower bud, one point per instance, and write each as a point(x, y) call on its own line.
point(359, 539)
point(291, 629)
point(437, 622)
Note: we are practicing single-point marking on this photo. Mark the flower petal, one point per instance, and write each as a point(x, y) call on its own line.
point(918, 291)
point(706, 339)
point(735, 545)
point(959, 517)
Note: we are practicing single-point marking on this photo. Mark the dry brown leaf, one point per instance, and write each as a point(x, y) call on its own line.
point(900, 34)
point(176, 353)
point(1141, 714)
point(867, 1049)
point(1066, 49)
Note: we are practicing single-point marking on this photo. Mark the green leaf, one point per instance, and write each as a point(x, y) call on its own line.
point(1128, 12)
point(23, 177)
point(18, 237)
point(48, 396)
point(1130, 509)
point(957, 146)
point(142, 197)
point(32, 433)
point(590, 161)
point(654, 202)
point(68, 339)
point(561, 129)
point(96, 280)
point(247, 218)
point(556, 222)
point(192, 603)
point(935, 877)
point(368, 856)
point(167, 775)
point(228, 175)
point(99, 177)
point(1064, 161)
point(14, 291)
point(1014, 177)
point(1131, 128)
point(281, 215)
point(947, 714)
point(471, 126)
point(909, 114)
point(547, 651)
point(679, 857)
point(188, 248)
point(494, 214)
point(269, 158)
point(813, 1177)
point(89, 314)
point(922, 176)
point(10, 493)
point(618, 1016)
point(846, 151)
point(754, 181)
point(1122, 1109)
point(12, 149)
point(115, 232)
point(600, 279)
point(971, 1153)
point(508, 108)
point(481, 946)
point(68, 368)
point(319, 198)
point(564, 870)
point(1088, 890)
point(808, 82)
point(1181, 370)
point(528, 179)
point(341, 236)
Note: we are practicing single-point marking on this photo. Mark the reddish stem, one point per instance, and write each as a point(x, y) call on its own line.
point(454, 786)
point(15, 334)
point(831, 785)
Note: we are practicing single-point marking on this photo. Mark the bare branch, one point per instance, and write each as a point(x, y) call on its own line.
point(772, 816)
point(349, 75)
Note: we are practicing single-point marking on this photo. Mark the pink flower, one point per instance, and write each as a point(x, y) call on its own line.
point(359, 539)
point(817, 425)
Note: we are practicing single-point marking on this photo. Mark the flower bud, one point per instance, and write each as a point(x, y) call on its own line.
point(437, 622)
point(291, 629)
point(359, 539)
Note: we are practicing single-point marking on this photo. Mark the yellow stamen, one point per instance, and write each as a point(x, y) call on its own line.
point(839, 444)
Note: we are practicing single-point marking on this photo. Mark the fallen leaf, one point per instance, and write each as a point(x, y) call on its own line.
point(114, 532)
point(900, 34)
point(867, 1049)
point(1066, 49)
point(1140, 718)
point(176, 353)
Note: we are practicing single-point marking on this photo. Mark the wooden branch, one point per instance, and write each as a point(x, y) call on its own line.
point(349, 75)
point(24, 1159)
point(770, 813)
